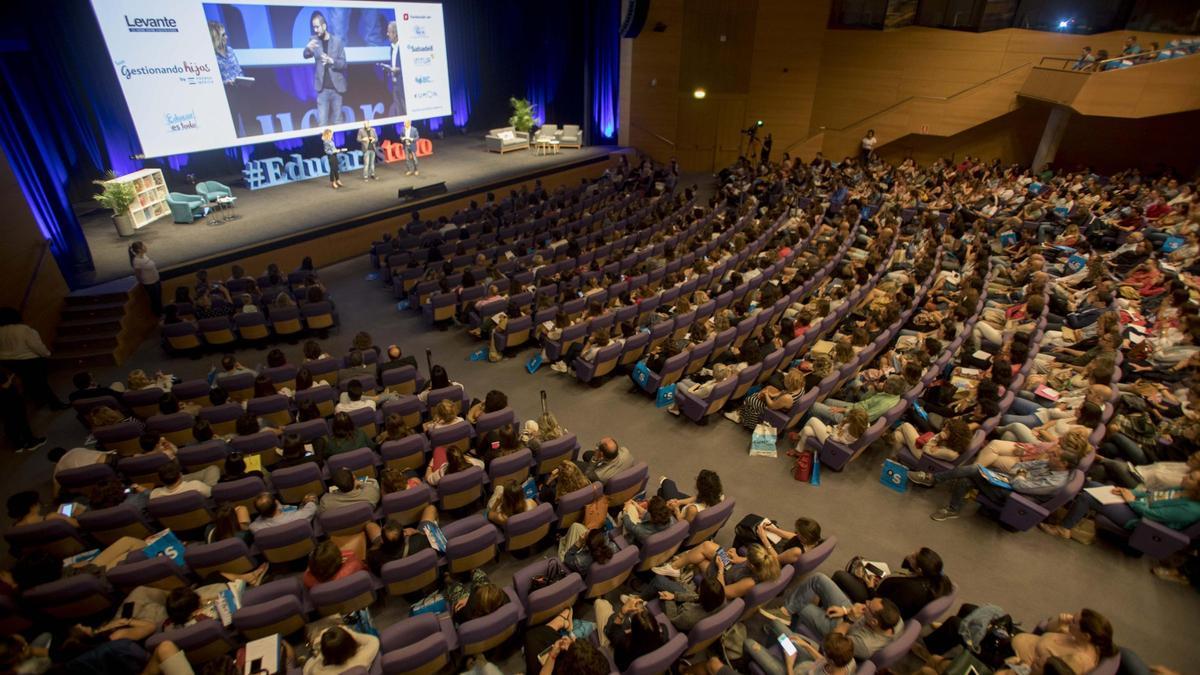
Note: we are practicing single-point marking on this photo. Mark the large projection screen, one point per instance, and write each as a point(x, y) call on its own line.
point(203, 75)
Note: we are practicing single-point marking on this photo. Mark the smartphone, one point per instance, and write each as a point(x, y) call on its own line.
point(873, 569)
point(67, 509)
point(723, 556)
point(129, 490)
point(127, 610)
point(786, 644)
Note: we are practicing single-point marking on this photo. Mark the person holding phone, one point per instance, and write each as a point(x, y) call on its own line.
point(801, 657)
point(921, 582)
point(818, 604)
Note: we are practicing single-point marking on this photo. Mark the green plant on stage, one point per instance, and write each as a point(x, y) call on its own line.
point(522, 114)
point(117, 195)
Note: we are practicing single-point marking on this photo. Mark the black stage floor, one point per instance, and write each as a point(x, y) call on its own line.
point(273, 215)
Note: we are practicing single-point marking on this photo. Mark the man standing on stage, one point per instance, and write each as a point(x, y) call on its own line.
point(396, 77)
point(369, 140)
point(409, 140)
point(328, 52)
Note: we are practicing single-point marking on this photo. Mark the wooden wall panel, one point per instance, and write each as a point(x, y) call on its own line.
point(22, 240)
point(654, 89)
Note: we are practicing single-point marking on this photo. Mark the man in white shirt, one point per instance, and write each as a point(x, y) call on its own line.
point(23, 352)
point(75, 458)
point(172, 478)
point(867, 145)
point(271, 513)
point(398, 106)
point(352, 399)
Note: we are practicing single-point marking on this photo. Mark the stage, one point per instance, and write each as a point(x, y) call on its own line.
point(292, 213)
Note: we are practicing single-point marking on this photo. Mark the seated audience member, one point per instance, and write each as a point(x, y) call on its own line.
point(294, 452)
point(338, 649)
point(819, 605)
point(271, 512)
point(851, 428)
point(918, 582)
point(86, 387)
point(563, 480)
point(396, 542)
point(562, 655)
point(507, 501)
point(834, 656)
point(438, 379)
point(349, 490)
point(235, 468)
point(1080, 640)
point(631, 631)
point(607, 460)
point(327, 562)
point(494, 401)
point(394, 428)
point(1038, 478)
point(788, 547)
point(759, 565)
point(445, 462)
point(230, 367)
point(640, 522)
point(708, 494)
point(174, 482)
point(355, 367)
point(444, 414)
point(685, 607)
point(1177, 508)
point(483, 599)
point(395, 359)
point(345, 436)
point(229, 521)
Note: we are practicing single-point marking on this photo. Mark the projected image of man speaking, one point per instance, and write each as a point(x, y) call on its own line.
point(328, 52)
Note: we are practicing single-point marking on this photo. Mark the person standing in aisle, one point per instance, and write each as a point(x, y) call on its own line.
point(23, 352)
point(146, 273)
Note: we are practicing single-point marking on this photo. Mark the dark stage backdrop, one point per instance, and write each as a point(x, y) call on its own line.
point(64, 122)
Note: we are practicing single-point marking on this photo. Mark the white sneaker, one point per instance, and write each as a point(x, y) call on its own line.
point(674, 410)
point(733, 416)
point(558, 367)
point(666, 570)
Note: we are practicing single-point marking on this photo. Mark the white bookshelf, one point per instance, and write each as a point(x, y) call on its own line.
point(151, 202)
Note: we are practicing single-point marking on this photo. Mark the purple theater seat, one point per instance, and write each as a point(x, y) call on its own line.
point(201, 642)
point(282, 377)
point(55, 536)
point(74, 597)
point(709, 629)
point(934, 609)
point(494, 420)
point(308, 431)
point(470, 543)
point(552, 453)
point(420, 645)
point(660, 660)
point(513, 468)
point(193, 391)
point(407, 453)
point(323, 397)
point(122, 437)
point(285, 543)
point(698, 408)
point(345, 595)
point(294, 482)
point(275, 408)
point(1021, 513)
point(545, 603)
point(763, 593)
point(228, 555)
point(181, 512)
point(891, 653)
point(410, 574)
point(401, 380)
point(627, 484)
point(346, 520)
point(460, 490)
point(454, 393)
point(605, 577)
point(84, 477)
point(571, 505)
point(485, 633)
point(142, 402)
point(405, 507)
point(200, 456)
point(239, 492)
point(528, 529)
point(659, 547)
point(108, 525)
point(222, 418)
point(361, 462)
point(408, 407)
point(453, 435)
point(158, 572)
point(707, 522)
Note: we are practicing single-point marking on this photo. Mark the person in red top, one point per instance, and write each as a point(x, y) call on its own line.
point(328, 563)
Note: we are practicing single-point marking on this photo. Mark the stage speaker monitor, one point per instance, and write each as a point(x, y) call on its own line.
point(634, 17)
point(410, 194)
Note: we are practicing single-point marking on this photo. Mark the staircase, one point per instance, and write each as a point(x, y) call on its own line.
point(102, 325)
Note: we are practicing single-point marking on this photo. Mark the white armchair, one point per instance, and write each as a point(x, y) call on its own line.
point(571, 137)
point(505, 139)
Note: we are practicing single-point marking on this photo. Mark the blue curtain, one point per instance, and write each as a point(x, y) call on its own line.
point(604, 69)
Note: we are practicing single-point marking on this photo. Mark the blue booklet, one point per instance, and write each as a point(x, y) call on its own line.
point(997, 479)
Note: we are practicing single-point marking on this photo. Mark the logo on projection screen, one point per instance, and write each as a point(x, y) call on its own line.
point(140, 24)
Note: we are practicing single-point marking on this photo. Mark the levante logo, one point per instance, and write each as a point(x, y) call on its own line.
point(151, 24)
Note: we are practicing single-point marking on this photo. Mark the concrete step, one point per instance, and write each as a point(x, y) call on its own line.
point(82, 358)
point(96, 340)
point(91, 311)
point(88, 326)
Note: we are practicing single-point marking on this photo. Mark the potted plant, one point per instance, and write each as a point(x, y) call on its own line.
point(522, 114)
point(117, 196)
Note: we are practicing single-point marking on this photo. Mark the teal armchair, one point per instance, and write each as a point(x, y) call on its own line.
point(186, 208)
point(211, 189)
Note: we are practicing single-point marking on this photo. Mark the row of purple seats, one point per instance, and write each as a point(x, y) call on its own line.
point(223, 332)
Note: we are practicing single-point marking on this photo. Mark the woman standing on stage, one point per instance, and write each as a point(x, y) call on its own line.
point(146, 273)
point(331, 151)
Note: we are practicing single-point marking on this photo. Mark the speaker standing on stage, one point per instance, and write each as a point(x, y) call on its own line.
point(328, 52)
point(146, 273)
point(395, 76)
point(331, 152)
point(369, 141)
point(409, 140)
